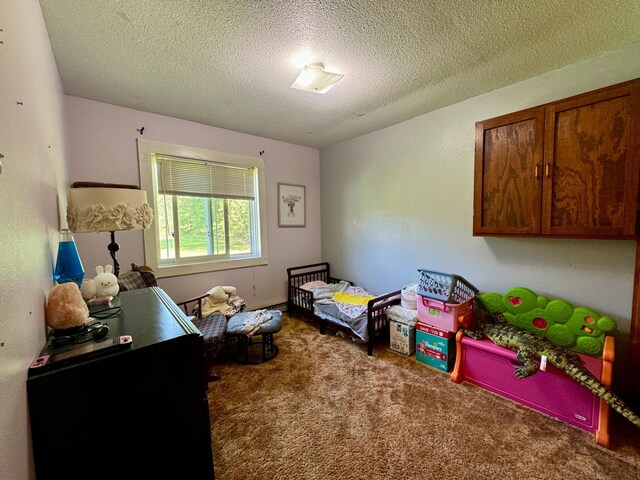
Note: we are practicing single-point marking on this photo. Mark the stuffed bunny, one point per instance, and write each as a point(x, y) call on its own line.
point(106, 282)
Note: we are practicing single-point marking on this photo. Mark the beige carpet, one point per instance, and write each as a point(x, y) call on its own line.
point(323, 409)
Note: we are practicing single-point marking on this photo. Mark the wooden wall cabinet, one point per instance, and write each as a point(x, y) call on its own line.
point(565, 169)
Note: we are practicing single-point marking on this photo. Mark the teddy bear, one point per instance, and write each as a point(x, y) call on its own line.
point(65, 307)
point(217, 301)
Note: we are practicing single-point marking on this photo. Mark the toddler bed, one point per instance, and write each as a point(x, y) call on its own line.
point(311, 289)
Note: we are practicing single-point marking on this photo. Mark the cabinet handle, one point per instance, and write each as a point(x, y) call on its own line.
point(546, 170)
point(537, 174)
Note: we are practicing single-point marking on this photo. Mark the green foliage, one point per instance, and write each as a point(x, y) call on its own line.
point(194, 237)
point(239, 226)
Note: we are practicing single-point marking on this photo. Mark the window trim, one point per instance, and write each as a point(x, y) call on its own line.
point(147, 148)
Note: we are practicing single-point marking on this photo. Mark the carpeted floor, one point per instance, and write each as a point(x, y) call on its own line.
point(323, 409)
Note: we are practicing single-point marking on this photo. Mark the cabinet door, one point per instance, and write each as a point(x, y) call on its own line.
point(591, 164)
point(508, 174)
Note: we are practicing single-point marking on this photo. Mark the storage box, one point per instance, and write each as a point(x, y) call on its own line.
point(445, 316)
point(552, 392)
point(434, 359)
point(435, 347)
point(402, 337)
point(441, 341)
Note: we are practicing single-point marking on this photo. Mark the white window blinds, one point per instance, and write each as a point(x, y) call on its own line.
point(197, 178)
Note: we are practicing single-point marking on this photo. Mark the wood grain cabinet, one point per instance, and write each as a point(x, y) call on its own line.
point(565, 169)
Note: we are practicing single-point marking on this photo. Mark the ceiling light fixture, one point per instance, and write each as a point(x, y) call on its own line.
point(314, 78)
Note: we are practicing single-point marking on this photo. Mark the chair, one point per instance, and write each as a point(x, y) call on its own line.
point(213, 328)
point(138, 277)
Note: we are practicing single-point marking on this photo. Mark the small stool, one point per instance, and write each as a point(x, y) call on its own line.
point(266, 330)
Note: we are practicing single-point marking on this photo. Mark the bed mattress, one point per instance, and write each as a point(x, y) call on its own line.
point(348, 315)
point(330, 311)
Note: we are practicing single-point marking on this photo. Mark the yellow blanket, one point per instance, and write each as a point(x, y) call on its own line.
point(352, 298)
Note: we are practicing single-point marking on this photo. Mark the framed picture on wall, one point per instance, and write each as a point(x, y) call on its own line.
point(291, 205)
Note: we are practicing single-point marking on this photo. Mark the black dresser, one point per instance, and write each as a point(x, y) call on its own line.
point(135, 411)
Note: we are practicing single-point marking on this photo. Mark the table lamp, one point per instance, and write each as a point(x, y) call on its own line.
point(68, 264)
point(106, 207)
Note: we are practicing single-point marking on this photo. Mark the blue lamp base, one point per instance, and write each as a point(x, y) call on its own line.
point(68, 266)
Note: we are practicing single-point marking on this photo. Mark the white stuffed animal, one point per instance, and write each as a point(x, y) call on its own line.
point(88, 289)
point(106, 282)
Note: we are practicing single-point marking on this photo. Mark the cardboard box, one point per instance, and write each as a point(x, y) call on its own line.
point(435, 347)
point(402, 337)
point(436, 339)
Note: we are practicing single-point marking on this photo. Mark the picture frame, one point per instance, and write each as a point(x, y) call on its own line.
point(292, 205)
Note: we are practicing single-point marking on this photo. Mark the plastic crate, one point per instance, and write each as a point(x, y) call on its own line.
point(445, 287)
point(445, 316)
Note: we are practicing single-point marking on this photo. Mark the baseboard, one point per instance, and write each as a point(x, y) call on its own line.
point(278, 306)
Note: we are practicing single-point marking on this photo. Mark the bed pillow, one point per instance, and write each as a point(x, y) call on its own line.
point(326, 291)
point(310, 285)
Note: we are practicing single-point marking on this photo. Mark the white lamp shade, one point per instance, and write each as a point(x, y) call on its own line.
point(99, 209)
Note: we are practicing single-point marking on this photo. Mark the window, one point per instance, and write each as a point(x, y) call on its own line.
point(208, 208)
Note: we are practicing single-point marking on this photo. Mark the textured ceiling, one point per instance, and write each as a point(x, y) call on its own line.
point(229, 63)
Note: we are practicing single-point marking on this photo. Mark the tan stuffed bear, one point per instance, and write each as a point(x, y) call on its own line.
point(65, 307)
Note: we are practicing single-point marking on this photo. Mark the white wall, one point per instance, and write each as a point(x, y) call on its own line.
point(102, 144)
point(32, 141)
point(401, 198)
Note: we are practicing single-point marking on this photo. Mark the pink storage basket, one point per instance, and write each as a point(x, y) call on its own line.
point(442, 315)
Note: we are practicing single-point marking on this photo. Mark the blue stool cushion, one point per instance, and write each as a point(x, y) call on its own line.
point(273, 325)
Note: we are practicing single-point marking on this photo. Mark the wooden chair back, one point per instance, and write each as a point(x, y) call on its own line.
point(193, 306)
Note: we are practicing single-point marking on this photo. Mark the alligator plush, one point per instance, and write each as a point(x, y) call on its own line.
point(529, 346)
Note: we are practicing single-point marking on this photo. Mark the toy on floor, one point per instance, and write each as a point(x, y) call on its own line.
point(579, 328)
point(529, 346)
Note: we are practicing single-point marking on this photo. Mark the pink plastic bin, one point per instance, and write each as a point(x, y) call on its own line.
point(551, 392)
point(442, 315)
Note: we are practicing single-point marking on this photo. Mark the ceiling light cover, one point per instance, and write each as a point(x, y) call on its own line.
point(314, 78)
